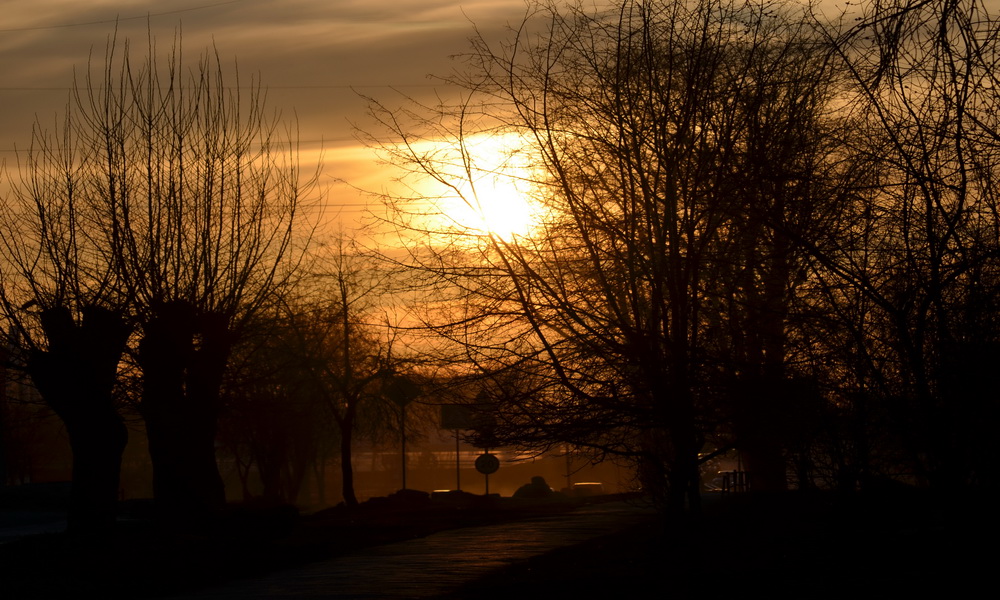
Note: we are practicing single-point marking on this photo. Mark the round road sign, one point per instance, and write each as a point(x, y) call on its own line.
point(487, 463)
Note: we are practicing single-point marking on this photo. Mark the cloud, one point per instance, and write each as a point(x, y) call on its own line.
point(309, 52)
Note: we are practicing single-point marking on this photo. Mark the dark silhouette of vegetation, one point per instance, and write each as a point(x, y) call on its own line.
point(656, 253)
point(339, 359)
point(756, 229)
point(154, 219)
point(317, 376)
point(76, 376)
point(921, 256)
point(274, 424)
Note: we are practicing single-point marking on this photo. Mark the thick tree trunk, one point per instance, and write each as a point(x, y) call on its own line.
point(183, 356)
point(672, 473)
point(762, 417)
point(76, 377)
point(684, 499)
point(98, 444)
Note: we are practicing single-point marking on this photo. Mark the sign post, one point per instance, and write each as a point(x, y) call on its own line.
point(487, 464)
point(456, 417)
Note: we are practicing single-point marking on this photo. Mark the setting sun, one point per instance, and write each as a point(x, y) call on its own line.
point(491, 191)
point(495, 204)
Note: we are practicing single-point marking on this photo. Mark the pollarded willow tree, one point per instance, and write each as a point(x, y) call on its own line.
point(675, 149)
point(157, 215)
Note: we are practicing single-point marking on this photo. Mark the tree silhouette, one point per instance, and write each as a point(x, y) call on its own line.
point(675, 148)
point(924, 250)
point(336, 355)
point(165, 201)
point(274, 422)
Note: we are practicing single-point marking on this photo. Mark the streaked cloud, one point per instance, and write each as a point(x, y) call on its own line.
point(310, 53)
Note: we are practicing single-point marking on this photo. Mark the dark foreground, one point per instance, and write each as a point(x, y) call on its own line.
point(786, 546)
point(791, 545)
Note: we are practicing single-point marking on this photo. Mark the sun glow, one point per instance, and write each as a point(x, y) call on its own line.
point(490, 191)
point(494, 204)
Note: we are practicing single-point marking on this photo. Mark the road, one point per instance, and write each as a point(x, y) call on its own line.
point(437, 564)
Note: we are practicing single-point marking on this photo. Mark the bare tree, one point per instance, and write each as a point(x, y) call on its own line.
point(274, 423)
point(340, 354)
point(673, 144)
point(163, 208)
point(924, 254)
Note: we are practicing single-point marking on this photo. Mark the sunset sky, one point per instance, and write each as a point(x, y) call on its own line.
point(314, 56)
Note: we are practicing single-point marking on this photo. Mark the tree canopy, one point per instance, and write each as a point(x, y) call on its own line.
point(750, 222)
point(154, 218)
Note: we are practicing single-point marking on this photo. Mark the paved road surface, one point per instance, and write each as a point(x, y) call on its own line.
point(439, 563)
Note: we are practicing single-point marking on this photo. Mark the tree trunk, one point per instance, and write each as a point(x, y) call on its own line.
point(684, 499)
point(76, 377)
point(98, 444)
point(183, 356)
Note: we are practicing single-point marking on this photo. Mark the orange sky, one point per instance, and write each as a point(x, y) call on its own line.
point(309, 53)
